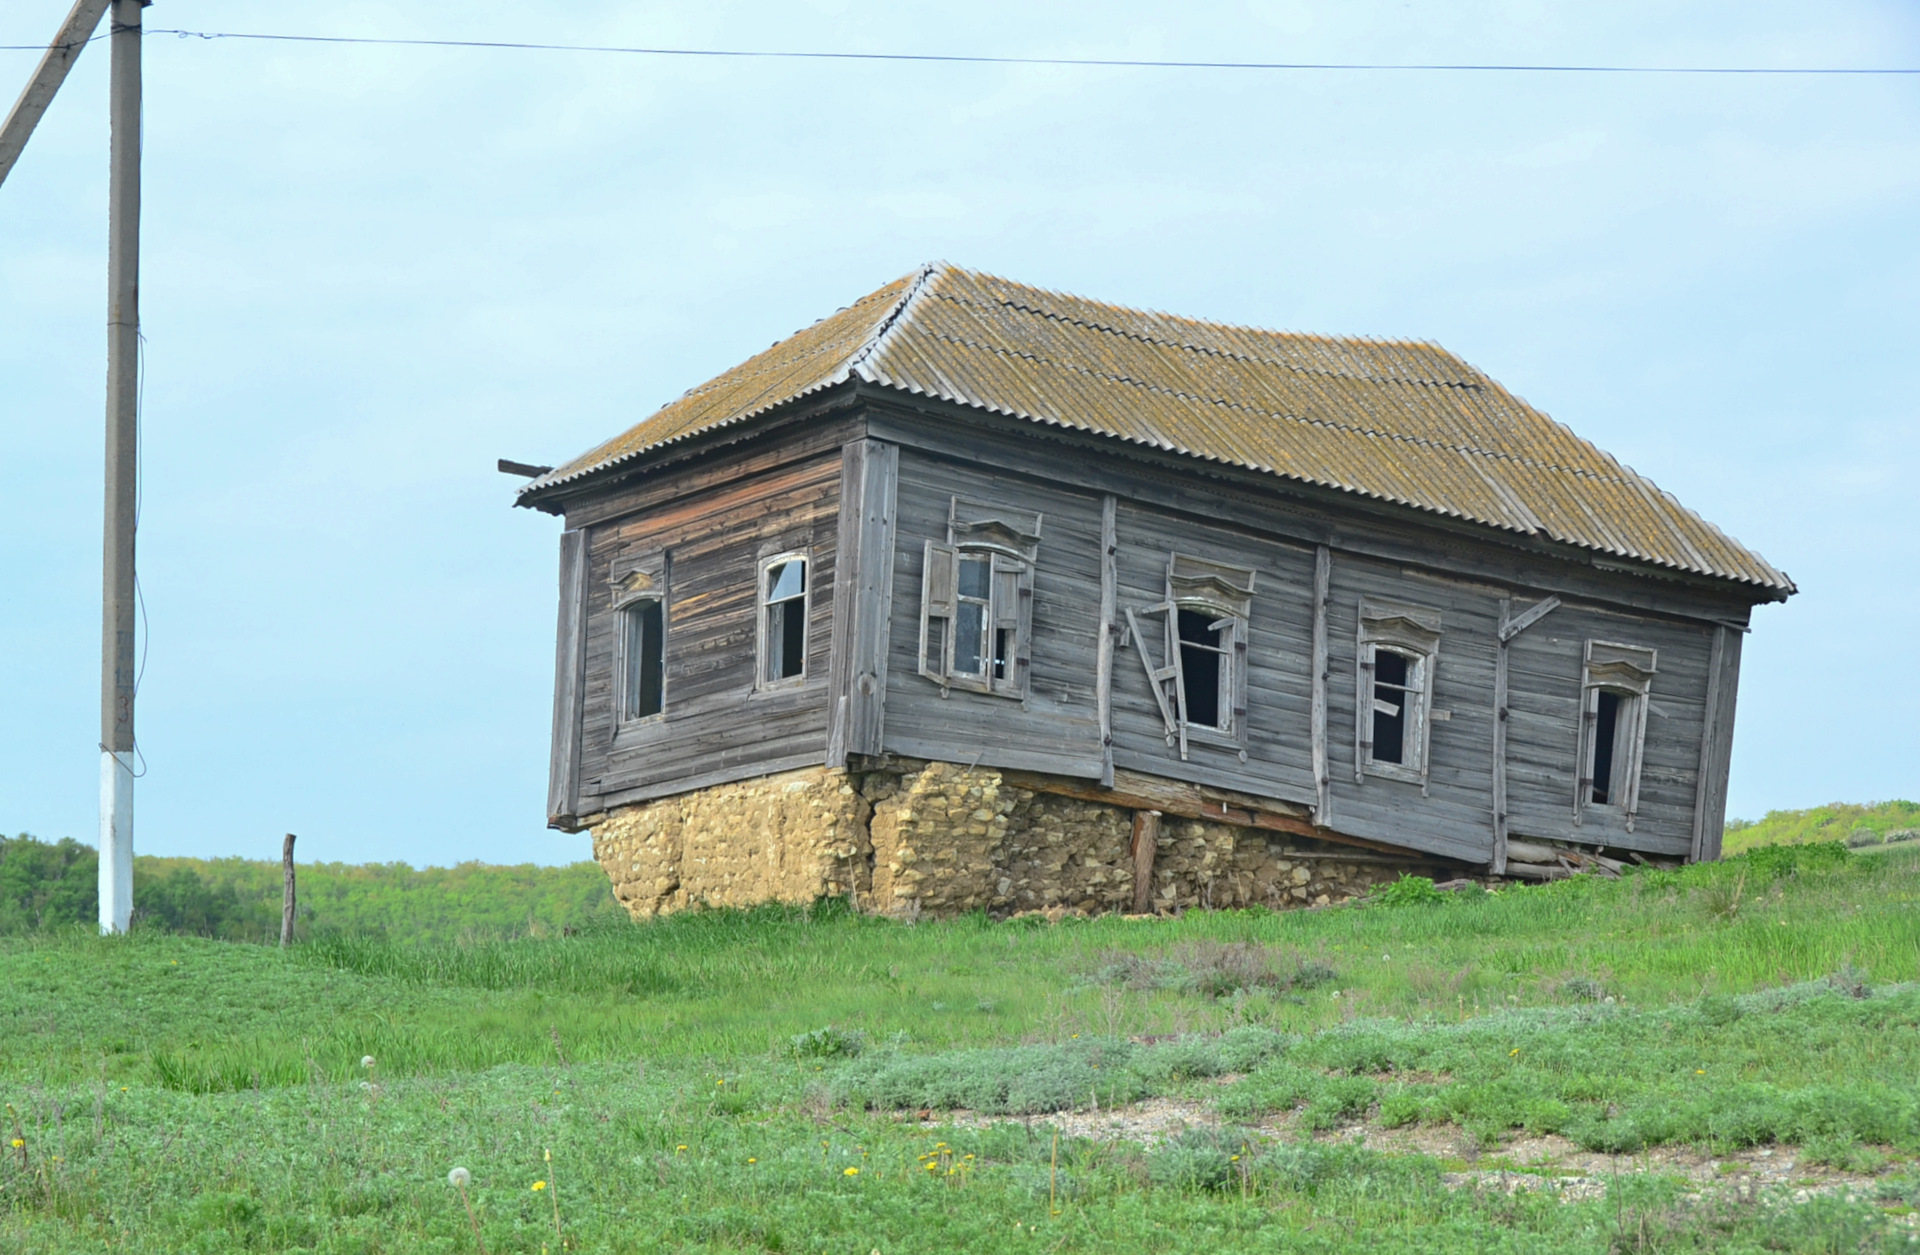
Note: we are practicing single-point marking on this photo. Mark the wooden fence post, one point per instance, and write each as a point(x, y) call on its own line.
point(286, 900)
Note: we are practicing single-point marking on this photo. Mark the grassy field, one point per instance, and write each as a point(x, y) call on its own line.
point(1876, 823)
point(754, 1081)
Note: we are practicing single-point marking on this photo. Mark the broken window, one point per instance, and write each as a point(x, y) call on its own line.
point(1198, 668)
point(976, 600)
point(1396, 651)
point(639, 579)
point(642, 659)
point(1613, 726)
point(783, 619)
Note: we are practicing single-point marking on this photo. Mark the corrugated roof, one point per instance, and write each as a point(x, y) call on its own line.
point(1396, 420)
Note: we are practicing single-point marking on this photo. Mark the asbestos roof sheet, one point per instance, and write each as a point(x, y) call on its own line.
point(1399, 421)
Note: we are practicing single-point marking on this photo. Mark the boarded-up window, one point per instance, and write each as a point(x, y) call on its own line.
point(976, 600)
point(642, 659)
point(1198, 665)
point(1615, 682)
point(783, 620)
point(1396, 651)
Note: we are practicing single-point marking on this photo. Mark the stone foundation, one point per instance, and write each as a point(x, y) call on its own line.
point(941, 839)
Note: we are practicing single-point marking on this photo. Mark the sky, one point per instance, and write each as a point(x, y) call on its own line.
point(369, 272)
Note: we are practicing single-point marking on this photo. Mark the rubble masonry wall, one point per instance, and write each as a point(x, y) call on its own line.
point(941, 839)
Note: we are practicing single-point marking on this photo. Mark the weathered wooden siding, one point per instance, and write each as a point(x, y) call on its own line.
point(1455, 817)
point(1057, 729)
point(1543, 731)
point(1279, 756)
point(716, 727)
point(1464, 581)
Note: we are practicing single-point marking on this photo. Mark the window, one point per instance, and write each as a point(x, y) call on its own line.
point(1396, 652)
point(643, 660)
point(640, 645)
point(1198, 673)
point(783, 620)
point(976, 600)
point(1613, 726)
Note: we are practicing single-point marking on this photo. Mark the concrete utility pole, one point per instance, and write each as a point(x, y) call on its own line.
point(117, 662)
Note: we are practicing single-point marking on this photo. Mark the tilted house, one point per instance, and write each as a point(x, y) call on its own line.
point(978, 596)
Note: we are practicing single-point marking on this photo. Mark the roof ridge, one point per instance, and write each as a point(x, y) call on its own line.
point(857, 363)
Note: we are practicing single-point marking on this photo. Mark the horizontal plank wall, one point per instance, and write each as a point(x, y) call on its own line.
point(716, 727)
point(1545, 666)
point(1057, 729)
point(1455, 817)
point(1279, 751)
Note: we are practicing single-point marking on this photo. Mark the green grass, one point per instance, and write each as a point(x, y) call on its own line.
point(1870, 825)
point(184, 1094)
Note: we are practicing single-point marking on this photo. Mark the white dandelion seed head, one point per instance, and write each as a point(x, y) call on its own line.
point(366, 1061)
point(459, 1178)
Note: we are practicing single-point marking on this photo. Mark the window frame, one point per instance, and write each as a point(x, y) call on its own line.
point(1224, 592)
point(643, 580)
point(1627, 671)
point(1412, 632)
point(763, 605)
point(1008, 541)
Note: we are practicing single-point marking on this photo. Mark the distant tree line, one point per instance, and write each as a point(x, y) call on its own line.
point(46, 885)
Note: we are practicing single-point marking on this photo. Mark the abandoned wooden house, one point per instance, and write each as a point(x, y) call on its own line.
point(979, 596)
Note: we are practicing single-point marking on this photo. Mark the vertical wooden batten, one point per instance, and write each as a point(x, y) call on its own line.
point(569, 676)
point(1322, 772)
point(1103, 663)
point(862, 599)
point(1716, 744)
point(1511, 625)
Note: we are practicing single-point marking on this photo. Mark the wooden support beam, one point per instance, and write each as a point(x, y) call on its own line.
point(1146, 840)
point(1187, 801)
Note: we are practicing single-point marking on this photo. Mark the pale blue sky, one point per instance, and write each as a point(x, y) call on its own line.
point(371, 271)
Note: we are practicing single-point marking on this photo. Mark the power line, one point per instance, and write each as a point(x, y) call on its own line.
point(1081, 62)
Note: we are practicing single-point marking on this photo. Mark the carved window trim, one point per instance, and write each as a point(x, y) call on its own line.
point(1413, 633)
point(638, 580)
point(981, 574)
point(1224, 593)
point(1625, 673)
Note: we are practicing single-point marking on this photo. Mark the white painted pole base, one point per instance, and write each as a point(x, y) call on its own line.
point(116, 842)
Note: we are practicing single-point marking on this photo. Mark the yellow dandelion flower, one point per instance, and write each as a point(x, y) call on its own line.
point(538, 1186)
point(751, 1159)
point(1699, 1071)
point(1513, 1052)
point(932, 1167)
point(16, 1143)
point(850, 1172)
point(682, 1146)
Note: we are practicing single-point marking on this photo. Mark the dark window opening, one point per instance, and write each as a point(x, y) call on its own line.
point(1390, 695)
point(786, 639)
point(1201, 661)
point(646, 660)
point(1606, 728)
point(1002, 642)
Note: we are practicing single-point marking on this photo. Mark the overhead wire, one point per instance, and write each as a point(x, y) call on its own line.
point(1146, 63)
